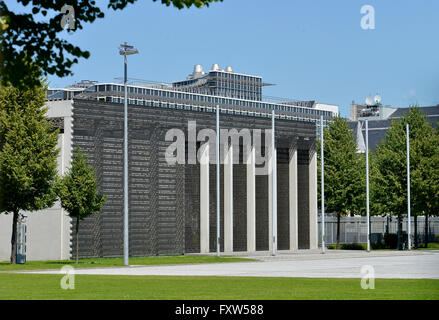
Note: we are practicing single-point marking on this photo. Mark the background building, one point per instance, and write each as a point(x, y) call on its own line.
point(380, 123)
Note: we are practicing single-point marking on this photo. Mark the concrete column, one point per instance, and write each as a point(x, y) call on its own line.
point(271, 221)
point(293, 208)
point(204, 199)
point(228, 200)
point(313, 230)
point(251, 202)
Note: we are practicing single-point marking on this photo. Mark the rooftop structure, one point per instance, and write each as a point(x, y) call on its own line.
point(237, 93)
point(219, 82)
point(372, 110)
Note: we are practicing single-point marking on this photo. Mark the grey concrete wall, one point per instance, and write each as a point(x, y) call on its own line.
point(307, 199)
point(49, 230)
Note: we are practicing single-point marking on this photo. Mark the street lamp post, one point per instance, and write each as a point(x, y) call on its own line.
point(274, 185)
point(323, 183)
point(218, 199)
point(367, 186)
point(409, 245)
point(125, 50)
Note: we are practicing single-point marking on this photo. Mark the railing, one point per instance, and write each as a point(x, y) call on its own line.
point(354, 229)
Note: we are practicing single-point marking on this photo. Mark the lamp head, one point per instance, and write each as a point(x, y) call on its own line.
point(126, 50)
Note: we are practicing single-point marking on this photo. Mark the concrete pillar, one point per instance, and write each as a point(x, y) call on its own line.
point(228, 200)
point(204, 199)
point(251, 201)
point(313, 230)
point(293, 207)
point(271, 221)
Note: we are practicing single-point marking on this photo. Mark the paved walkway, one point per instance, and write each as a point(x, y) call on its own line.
point(306, 263)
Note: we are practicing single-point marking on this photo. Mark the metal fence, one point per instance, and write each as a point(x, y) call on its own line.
point(354, 229)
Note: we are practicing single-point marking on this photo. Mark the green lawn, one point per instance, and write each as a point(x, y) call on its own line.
point(430, 246)
point(87, 287)
point(116, 262)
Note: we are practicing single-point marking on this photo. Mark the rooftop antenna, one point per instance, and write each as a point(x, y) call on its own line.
point(377, 98)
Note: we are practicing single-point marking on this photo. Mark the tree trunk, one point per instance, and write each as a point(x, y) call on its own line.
point(14, 238)
point(426, 230)
point(399, 236)
point(416, 231)
point(387, 223)
point(77, 238)
point(338, 232)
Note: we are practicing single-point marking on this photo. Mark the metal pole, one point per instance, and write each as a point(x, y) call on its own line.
point(273, 182)
point(218, 228)
point(323, 184)
point(125, 171)
point(408, 188)
point(367, 186)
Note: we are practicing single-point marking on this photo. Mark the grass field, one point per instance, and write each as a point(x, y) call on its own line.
point(88, 287)
point(430, 246)
point(117, 262)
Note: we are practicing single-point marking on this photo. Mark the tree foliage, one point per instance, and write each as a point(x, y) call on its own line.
point(78, 188)
point(391, 159)
point(28, 151)
point(344, 172)
point(23, 39)
point(78, 191)
point(28, 154)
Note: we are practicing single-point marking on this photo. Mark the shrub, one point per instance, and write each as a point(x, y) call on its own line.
point(390, 240)
point(433, 245)
point(377, 246)
point(350, 246)
point(354, 246)
point(377, 241)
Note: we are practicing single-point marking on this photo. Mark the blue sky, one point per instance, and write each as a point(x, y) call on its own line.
point(314, 49)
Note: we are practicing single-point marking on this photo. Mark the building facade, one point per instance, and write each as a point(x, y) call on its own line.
point(172, 207)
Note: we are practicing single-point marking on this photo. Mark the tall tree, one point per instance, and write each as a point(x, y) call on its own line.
point(391, 158)
point(344, 172)
point(34, 37)
point(28, 154)
point(425, 175)
point(79, 193)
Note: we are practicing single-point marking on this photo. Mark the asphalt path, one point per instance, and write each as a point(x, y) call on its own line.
point(312, 264)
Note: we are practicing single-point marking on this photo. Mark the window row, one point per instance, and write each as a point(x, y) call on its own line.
point(170, 105)
point(213, 99)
